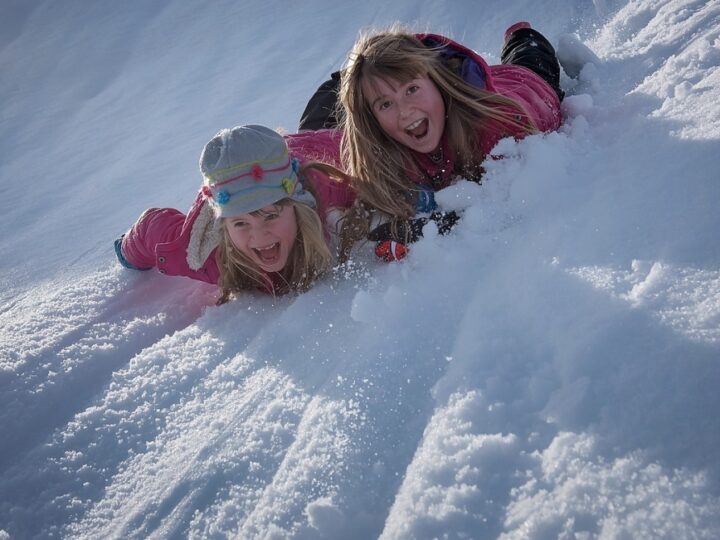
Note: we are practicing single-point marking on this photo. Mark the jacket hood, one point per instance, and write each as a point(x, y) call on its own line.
point(472, 67)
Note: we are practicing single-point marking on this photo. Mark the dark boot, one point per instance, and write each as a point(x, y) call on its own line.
point(527, 47)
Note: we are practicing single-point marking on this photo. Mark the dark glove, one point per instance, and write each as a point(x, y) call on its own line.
point(410, 231)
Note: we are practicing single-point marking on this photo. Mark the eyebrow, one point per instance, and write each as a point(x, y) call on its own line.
point(274, 208)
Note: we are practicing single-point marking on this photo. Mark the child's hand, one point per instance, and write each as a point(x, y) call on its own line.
point(411, 230)
point(405, 231)
point(446, 221)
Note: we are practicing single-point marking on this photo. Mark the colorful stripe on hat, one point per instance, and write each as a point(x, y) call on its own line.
point(223, 196)
point(255, 165)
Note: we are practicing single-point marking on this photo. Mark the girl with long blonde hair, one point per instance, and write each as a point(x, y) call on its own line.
point(419, 111)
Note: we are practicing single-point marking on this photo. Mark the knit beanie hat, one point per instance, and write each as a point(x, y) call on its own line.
point(247, 168)
point(244, 169)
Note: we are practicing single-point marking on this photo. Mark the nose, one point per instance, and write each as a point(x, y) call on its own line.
point(258, 232)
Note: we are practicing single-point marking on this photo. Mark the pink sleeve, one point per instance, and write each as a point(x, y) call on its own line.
point(322, 145)
point(330, 193)
point(155, 226)
point(531, 91)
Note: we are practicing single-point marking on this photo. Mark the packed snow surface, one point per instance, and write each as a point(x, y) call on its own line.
point(548, 370)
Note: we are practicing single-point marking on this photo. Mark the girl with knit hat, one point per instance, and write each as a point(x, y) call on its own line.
point(422, 111)
point(265, 217)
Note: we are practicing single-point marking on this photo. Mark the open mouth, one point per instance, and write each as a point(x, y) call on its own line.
point(418, 129)
point(268, 254)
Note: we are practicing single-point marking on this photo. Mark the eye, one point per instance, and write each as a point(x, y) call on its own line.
point(239, 224)
point(384, 105)
point(271, 216)
point(412, 89)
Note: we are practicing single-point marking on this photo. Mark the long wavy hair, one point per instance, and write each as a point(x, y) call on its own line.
point(308, 259)
point(377, 164)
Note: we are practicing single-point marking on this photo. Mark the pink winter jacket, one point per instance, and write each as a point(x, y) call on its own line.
point(516, 82)
point(161, 237)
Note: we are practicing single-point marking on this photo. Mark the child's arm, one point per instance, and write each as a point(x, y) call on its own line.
point(392, 243)
point(410, 231)
point(155, 226)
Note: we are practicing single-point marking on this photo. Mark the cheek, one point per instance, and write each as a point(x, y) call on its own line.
point(384, 122)
point(387, 123)
point(289, 233)
point(382, 118)
point(238, 239)
point(437, 105)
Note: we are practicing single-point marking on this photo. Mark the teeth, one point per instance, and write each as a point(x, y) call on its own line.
point(415, 124)
point(267, 247)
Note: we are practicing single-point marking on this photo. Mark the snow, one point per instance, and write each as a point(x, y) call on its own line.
point(548, 370)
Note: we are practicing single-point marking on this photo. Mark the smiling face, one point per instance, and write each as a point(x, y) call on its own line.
point(265, 236)
point(411, 113)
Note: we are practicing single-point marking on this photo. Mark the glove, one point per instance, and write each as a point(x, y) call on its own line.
point(410, 231)
point(389, 250)
point(445, 221)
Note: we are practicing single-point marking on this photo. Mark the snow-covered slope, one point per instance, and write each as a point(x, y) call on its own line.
point(549, 370)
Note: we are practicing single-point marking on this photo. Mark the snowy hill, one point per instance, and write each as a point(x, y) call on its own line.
point(549, 370)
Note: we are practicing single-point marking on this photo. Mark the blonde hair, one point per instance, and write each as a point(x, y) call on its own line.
point(308, 259)
point(376, 162)
point(347, 228)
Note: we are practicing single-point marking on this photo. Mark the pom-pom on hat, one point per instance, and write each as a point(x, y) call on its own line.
point(247, 168)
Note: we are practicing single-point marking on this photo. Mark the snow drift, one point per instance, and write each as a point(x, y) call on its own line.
point(549, 370)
